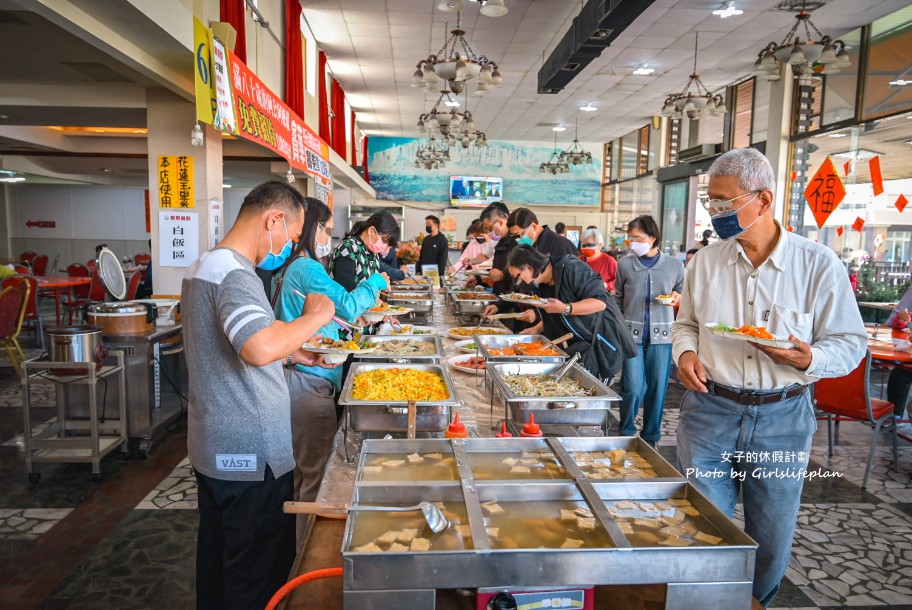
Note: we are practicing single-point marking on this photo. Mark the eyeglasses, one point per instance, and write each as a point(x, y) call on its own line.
point(722, 204)
point(587, 246)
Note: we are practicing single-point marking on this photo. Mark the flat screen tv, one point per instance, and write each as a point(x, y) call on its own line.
point(475, 191)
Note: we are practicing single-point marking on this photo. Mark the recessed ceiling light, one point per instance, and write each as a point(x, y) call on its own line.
point(588, 108)
point(728, 10)
point(226, 186)
point(837, 135)
point(643, 71)
point(107, 170)
point(4, 116)
point(558, 128)
point(899, 82)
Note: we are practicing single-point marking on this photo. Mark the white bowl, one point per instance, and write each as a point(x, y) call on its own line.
point(373, 317)
point(334, 358)
point(665, 300)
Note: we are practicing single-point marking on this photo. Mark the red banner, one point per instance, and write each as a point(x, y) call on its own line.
point(824, 192)
point(876, 176)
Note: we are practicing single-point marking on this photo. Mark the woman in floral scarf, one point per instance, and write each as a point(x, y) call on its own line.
point(356, 258)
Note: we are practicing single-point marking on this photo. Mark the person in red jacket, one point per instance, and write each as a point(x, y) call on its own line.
point(601, 262)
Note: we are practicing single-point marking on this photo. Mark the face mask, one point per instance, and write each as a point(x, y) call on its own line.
point(727, 225)
point(493, 236)
point(588, 252)
point(428, 228)
point(377, 247)
point(525, 240)
point(271, 261)
point(480, 240)
point(640, 248)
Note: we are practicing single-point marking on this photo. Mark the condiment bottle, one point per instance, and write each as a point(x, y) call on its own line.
point(531, 429)
point(503, 431)
point(456, 429)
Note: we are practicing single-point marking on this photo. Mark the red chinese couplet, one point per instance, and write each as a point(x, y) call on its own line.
point(824, 192)
point(847, 167)
point(858, 225)
point(901, 202)
point(876, 176)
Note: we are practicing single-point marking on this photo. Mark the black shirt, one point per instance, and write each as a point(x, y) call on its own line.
point(552, 244)
point(389, 265)
point(434, 251)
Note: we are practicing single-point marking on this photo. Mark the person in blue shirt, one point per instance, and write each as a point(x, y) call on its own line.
point(313, 388)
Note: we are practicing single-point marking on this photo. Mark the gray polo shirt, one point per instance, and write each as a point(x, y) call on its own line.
point(239, 416)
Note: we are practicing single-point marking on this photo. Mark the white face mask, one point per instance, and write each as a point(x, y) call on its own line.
point(640, 248)
point(323, 250)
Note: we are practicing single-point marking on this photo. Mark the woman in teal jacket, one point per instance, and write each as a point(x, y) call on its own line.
point(313, 389)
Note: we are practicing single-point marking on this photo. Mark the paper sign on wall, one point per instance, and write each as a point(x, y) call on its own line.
point(825, 192)
point(175, 181)
point(216, 220)
point(178, 238)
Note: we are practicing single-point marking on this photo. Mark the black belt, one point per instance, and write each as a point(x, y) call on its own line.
point(754, 398)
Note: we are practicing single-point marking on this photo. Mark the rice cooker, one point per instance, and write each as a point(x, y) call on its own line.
point(76, 344)
point(119, 317)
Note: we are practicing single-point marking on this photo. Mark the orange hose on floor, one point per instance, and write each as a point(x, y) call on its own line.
point(294, 583)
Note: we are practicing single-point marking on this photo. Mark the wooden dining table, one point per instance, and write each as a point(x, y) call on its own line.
point(59, 283)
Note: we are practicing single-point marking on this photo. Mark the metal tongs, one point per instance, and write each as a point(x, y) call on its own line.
point(564, 369)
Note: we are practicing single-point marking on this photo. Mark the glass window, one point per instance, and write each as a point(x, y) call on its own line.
point(889, 61)
point(643, 159)
point(634, 198)
point(609, 159)
point(743, 114)
point(674, 217)
point(630, 146)
point(839, 89)
point(897, 248)
point(762, 92)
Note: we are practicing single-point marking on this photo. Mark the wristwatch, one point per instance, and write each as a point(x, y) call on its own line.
point(568, 310)
point(289, 361)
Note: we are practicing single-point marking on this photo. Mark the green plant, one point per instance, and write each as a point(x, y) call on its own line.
point(872, 291)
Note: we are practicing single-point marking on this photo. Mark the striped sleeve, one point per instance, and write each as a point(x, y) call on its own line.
point(243, 309)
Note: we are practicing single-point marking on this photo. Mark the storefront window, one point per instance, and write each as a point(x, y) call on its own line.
point(762, 92)
point(888, 77)
point(635, 198)
point(630, 152)
point(743, 114)
point(674, 217)
point(839, 89)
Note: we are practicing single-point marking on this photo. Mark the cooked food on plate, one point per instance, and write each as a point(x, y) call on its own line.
point(406, 347)
point(387, 308)
point(328, 343)
point(410, 330)
point(751, 331)
point(475, 363)
point(544, 385)
point(399, 384)
point(535, 348)
point(462, 331)
point(518, 296)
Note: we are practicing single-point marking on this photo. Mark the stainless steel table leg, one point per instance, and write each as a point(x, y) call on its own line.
point(700, 596)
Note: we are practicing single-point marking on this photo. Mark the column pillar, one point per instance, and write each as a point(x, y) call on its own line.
point(779, 128)
point(170, 120)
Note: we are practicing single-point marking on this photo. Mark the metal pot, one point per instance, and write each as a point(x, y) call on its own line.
point(76, 344)
point(123, 318)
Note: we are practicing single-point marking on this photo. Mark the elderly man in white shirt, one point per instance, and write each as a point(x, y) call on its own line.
point(748, 421)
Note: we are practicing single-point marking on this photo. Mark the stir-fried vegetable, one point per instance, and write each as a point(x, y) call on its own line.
point(544, 385)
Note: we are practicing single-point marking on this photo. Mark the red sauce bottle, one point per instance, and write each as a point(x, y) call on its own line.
point(503, 431)
point(531, 429)
point(456, 429)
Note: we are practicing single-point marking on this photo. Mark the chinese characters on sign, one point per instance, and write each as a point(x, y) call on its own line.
point(224, 117)
point(178, 235)
point(216, 229)
point(175, 182)
point(824, 192)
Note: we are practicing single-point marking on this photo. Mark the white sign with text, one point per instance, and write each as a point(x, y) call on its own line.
point(178, 238)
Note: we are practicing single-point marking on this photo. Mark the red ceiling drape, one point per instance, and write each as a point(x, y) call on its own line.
point(322, 99)
point(234, 12)
point(294, 59)
point(352, 158)
point(338, 122)
point(364, 158)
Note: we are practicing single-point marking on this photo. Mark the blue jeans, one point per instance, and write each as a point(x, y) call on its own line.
point(644, 382)
point(725, 448)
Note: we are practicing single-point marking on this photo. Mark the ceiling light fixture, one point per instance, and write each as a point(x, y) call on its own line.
point(899, 82)
point(196, 135)
point(559, 128)
point(456, 63)
point(643, 70)
point(290, 175)
point(576, 154)
point(226, 186)
point(432, 156)
point(728, 10)
point(837, 135)
point(489, 8)
point(13, 179)
point(588, 107)
point(802, 56)
point(452, 126)
point(555, 164)
point(691, 103)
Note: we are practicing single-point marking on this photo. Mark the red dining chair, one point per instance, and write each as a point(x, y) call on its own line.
point(21, 269)
point(90, 264)
point(13, 301)
point(39, 265)
point(849, 399)
point(28, 256)
point(133, 286)
point(32, 318)
point(145, 260)
point(78, 270)
point(96, 294)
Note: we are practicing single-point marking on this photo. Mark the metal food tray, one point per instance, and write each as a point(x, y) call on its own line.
point(396, 286)
point(499, 341)
point(698, 577)
point(568, 410)
point(378, 339)
point(405, 447)
point(392, 416)
point(663, 469)
point(474, 306)
point(418, 302)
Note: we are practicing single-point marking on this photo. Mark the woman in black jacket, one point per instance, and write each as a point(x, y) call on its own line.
point(577, 302)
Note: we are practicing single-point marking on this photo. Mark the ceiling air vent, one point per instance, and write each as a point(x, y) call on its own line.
point(698, 153)
point(570, 67)
point(96, 71)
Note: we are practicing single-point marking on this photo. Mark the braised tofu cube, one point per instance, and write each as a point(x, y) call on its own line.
point(407, 535)
point(492, 508)
point(572, 543)
point(388, 537)
point(420, 544)
point(706, 538)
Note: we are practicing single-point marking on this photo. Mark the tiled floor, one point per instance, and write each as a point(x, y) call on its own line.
point(127, 540)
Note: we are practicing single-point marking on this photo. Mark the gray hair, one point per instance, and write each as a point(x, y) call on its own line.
point(594, 233)
point(749, 165)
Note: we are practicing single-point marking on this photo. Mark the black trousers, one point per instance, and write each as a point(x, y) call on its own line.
point(246, 544)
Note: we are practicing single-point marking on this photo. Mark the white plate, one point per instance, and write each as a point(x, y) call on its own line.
point(512, 299)
point(452, 360)
point(478, 272)
point(781, 343)
point(386, 329)
point(665, 300)
point(450, 334)
point(332, 355)
point(376, 316)
point(461, 346)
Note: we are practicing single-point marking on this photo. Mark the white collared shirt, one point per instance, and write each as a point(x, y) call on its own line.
point(802, 289)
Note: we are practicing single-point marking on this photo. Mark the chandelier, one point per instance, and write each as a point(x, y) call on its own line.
point(555, 163)
point(456, 63)
point(832, 54)
point(453, 126)
point(432, 156)
point(692, 102)
point(575, 154)
point(489, 8)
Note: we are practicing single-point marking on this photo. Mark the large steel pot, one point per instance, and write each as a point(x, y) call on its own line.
point(76, 344)
point(123, 318)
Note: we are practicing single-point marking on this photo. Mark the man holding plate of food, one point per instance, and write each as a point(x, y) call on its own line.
point(751, 401)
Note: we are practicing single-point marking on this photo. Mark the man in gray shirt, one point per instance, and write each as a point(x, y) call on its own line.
point(239, 421)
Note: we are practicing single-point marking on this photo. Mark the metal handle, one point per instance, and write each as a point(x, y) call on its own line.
point(412, 419)
point(565, 368)
point(397, 410)
point(562, 405)
point(563, 339)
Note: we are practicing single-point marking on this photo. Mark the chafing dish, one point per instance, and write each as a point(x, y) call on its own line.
point(471, 304)
point(380, 339)
point(718, 576)
point(579, 446)
point(485, 342)
point(569, 410)
point(420, 302)
point(392, 416)
point(408, 284)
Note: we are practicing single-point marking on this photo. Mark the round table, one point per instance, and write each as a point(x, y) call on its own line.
point(59, 282)
point(880, 342)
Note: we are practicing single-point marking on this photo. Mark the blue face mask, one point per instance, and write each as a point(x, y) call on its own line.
point(727, 225)
point(271, 261)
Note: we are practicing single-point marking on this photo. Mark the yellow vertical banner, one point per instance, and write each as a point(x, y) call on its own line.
point(175, 182)
point(206, 105)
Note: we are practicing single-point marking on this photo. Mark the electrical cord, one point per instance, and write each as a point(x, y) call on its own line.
point(180, 397)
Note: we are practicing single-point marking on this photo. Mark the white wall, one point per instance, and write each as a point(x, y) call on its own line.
point(85, 216)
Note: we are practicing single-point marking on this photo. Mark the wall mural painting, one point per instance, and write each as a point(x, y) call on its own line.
point(394, 175)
